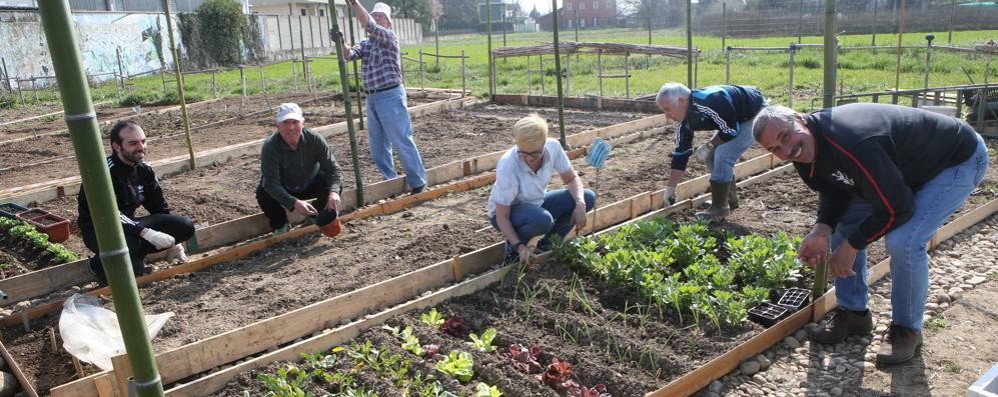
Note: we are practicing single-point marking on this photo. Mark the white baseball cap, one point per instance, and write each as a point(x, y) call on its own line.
point(384, 9)
point(289, 111)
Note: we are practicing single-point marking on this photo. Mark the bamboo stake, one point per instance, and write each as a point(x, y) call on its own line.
point(356, 76)
point(345, 84)
point(557, 69)
point(82, 122)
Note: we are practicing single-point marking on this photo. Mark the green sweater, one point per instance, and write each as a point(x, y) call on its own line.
point(285, 171)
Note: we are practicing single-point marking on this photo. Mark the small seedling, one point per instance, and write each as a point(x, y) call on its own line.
point(934, 324)
point(432, 318)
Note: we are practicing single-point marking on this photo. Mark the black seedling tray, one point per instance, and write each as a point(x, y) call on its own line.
point(767, 314)
point(794, 299)
point(10, 210)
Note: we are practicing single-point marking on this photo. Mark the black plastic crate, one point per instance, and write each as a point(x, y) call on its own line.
point(767, 314)
point(10, 210)
point(795, 299)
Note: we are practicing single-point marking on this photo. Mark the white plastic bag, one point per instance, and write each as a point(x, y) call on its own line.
point(91, 334)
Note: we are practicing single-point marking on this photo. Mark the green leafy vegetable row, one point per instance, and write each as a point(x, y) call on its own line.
point(684, 266)
point(20, 230)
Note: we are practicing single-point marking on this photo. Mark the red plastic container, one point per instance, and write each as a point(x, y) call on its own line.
point(56, 227)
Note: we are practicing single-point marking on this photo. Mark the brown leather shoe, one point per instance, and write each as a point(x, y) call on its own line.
point(899, 345)
point(843, 324)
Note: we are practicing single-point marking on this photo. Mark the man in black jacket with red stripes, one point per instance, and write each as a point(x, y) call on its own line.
point(879, 170)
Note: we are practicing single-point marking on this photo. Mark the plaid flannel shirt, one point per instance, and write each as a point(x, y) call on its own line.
point(382, 57)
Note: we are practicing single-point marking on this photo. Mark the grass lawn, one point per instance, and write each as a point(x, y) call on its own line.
point(859, 71)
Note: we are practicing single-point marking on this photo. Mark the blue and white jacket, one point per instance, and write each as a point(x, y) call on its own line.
point(718, 107)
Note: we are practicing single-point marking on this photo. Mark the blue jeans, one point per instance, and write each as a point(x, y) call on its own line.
point(907, 245)
point(554, 216)
point(388, 126)
point(727, 154)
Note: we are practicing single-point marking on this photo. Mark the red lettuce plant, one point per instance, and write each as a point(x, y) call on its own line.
point(595, 391)
point(523, 359)
point(431, 351)
point(456, 326)
point(559, 376)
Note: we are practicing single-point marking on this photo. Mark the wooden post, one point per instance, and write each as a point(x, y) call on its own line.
point(422, 86)
point(873, 41)
point(263, 87)
point(464, 76)
point(294, 73)
point(301, 47)
point(242, 81)
point(599, 69)
point(52, 341)
point(724, 25)
point(291, 34)
point(121, 70)
point(214, 84)
point(790, 77)
point(727, 65)
point(540, 60)
point(800, 21)
point(627, 75)
point(529, 73)
point(568, 74)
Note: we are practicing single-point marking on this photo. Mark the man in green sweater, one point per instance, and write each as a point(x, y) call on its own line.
point(296, 164)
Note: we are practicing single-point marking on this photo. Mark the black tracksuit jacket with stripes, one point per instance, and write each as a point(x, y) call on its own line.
point(882, 154)
point(717, 107)
point(134, 186)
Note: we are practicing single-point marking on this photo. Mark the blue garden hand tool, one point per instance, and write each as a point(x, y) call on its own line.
point(599, 150)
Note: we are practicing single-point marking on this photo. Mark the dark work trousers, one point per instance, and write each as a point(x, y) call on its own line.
point(181, 228)
point(274, 211)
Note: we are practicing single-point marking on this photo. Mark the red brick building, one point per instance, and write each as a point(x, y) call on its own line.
point(588, 14)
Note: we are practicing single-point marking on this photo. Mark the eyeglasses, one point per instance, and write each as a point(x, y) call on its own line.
point(533, 154)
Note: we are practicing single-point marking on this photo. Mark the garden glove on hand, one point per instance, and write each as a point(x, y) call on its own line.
point(176, 254)
point(159, 240)
point(705, 153)
point(670, 195)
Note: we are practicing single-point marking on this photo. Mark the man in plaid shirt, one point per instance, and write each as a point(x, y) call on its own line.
point(388, 123)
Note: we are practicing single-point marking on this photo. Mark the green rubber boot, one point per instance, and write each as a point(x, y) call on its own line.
point(281, 230)
point(733, 195)
point(719, 202)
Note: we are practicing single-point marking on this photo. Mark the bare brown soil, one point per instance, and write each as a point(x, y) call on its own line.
point(219, 192)
point(52, 156)
point(309, 269)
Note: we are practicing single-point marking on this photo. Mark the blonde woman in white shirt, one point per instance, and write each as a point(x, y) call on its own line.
point(520, 206)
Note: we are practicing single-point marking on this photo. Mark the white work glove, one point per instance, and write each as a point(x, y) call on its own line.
point(176, 254)
point(670, 195)
point(159, 240)
point(704, 152)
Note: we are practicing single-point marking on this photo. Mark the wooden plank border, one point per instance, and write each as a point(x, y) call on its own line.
point(42, 282)
point(26, 386)
point(234, 345)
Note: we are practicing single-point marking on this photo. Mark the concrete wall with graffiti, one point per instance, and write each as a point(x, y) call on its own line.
point(102, 37)
point(142, 43)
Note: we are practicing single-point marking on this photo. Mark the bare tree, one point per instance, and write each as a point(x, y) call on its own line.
point(646, 12)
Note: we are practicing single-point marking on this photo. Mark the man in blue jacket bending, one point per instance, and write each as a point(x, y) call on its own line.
point(727, 109)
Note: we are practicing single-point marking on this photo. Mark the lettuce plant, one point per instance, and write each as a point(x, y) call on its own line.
point(484, 343)
point(458, 365)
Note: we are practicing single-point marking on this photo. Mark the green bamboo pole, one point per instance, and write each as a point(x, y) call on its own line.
point(81, 121)
point(180, 84)
point(831, 55)
point(557, 73)
point(488, 45)
point(356, 77)
point(341, 64)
